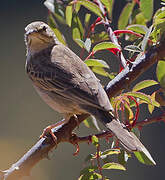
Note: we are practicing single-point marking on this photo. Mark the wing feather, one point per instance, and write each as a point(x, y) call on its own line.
point(67, 75)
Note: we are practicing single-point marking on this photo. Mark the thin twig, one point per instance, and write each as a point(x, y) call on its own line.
point(111, 34)
point(98, 161)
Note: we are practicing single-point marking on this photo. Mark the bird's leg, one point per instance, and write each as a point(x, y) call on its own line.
point(76, 119)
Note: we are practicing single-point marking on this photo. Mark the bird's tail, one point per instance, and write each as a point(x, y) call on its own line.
point(126, 138)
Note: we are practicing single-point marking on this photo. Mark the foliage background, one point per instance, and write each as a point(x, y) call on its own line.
point(24, 114)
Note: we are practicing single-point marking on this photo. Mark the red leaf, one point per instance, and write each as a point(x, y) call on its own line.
point(115, 51)
point(117, 32)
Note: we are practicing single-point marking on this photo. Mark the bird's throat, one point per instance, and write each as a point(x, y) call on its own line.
point(36, 45)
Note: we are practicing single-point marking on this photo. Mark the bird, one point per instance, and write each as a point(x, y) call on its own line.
point(68, 85)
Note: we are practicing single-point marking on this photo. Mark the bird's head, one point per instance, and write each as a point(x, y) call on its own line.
point(38, 36)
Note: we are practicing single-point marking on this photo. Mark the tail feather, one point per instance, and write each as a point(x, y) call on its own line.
point(126, 138)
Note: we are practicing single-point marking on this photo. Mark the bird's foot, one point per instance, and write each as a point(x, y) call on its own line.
point(47, 131)
point(74, 140)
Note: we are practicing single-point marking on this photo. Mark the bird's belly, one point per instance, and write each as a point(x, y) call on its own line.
point(59, 103)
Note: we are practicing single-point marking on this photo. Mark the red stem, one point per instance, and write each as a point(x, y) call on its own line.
point(98, 161)
point(137, 110)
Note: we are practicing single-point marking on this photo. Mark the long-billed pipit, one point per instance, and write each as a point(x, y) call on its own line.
point(67, 84)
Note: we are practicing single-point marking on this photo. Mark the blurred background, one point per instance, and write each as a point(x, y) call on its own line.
point(23, 115)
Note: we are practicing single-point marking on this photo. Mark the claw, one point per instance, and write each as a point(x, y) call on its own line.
point(74, 140)
point(77, 149)
point(46, 132)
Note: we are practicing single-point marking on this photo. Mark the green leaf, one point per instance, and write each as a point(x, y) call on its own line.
point(159, 21)
point(95, 140)
point(150, 106)
point(108, 5)
point(123, 157)
point(159, 29)
point(160, 73)
point(96, 62)
point(80, 27)
point(128, 112)
point(80, 178)
point(111, 8)
point(88, 169)
point(160, 15)
point(146, 7)
point(60, 18)
point(59, 35)
point(76, 27)
point(144, 97)
point(125, 14)
point(80, 43)
point(144, 158)
point(89, 173)
point(133, 48)
point(87, 44)
point(87, 19)
point(91, 122)
point(77, 7)
point(51, 21)
point(113, 165)
point(110, 152)
point(90, 176)
point(68, 15)
point(140, 19)
point(100, 71)
point(89, 5)
point(144, 84)
point(112, 75)
point(97, 37)
point(104, 45)
point(76, 33)
point(138, 28)
point(95, 176)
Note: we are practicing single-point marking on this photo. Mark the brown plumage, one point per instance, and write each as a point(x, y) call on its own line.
point(67, 85)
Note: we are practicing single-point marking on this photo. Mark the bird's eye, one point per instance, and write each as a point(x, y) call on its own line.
point(44, 28)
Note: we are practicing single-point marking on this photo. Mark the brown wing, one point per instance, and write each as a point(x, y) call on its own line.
point(67, 75)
